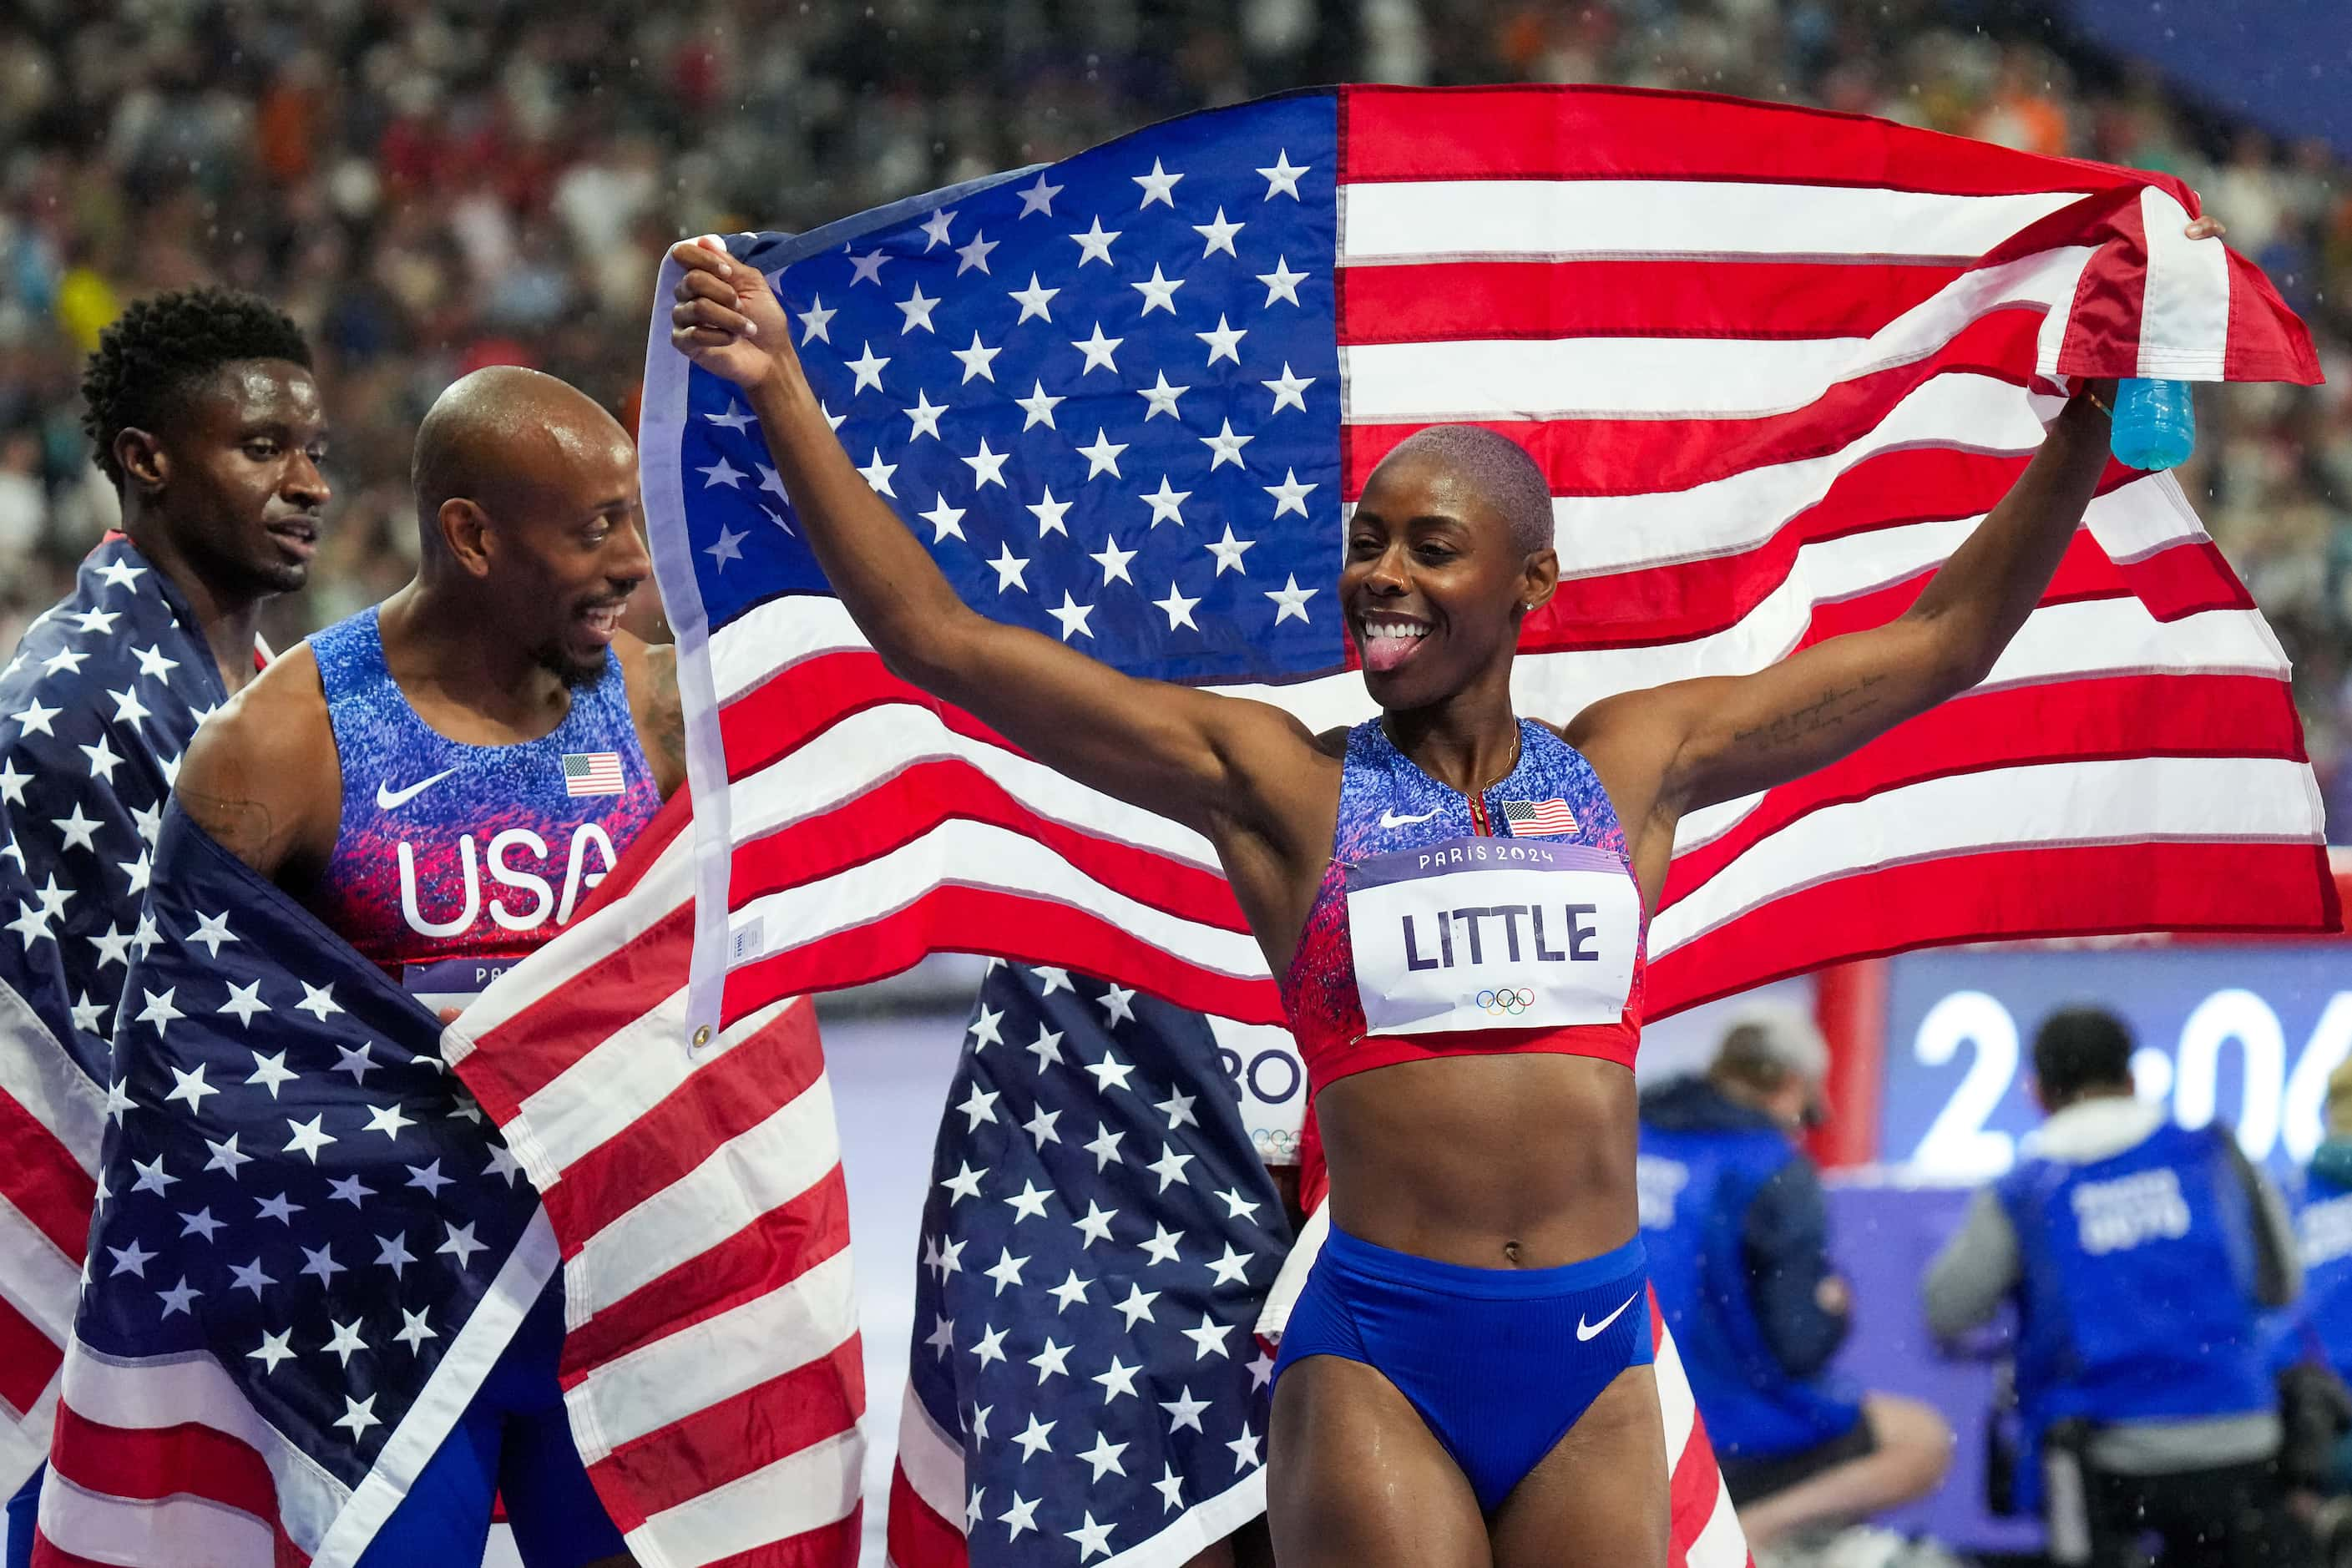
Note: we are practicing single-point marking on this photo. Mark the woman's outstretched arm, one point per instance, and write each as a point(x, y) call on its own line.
point(1202, 759)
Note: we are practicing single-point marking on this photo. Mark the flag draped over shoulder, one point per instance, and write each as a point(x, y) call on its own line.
point(711, 1361)
point(95, 706)
point(309, 1246)
point(1776, 362)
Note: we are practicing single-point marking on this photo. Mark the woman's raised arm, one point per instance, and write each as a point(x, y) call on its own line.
point(1194, 756)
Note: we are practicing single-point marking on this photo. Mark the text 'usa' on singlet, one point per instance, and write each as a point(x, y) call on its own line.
point(1452, 924)
point(453, 861)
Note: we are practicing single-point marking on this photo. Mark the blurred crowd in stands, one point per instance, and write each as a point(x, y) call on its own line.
point(431, 186)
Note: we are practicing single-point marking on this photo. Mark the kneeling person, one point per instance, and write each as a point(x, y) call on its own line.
point(440, 779)
point(1738, 1243)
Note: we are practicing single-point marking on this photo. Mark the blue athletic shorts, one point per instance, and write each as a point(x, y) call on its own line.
point(512, 1440)
point(1500, 1362)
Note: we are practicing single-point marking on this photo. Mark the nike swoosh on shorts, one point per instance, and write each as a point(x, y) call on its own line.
point(387, 797)
point(1390, 819)
point(1585, 1330)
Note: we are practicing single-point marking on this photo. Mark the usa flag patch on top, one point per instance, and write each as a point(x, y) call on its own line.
point(1528, 816)
point(592, 773)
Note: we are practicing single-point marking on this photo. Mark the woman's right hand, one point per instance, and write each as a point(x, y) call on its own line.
point(727, 320)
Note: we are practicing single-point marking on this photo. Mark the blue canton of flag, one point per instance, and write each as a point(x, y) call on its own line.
point(1106, 394)
point(293, 1181)
point(1098, 1240)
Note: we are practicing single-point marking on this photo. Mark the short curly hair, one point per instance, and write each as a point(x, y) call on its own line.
point(164, 347)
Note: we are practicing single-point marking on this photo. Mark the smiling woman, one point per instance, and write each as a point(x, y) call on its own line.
point(1463, 1374)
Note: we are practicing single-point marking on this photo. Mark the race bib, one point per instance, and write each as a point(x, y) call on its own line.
point(1483, 933)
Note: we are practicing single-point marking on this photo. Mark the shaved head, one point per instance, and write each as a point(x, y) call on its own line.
point(526, 506)
point(1496, 469)
point(500, 437)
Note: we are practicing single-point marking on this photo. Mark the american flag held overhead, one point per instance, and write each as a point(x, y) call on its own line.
point(97, 703)
point(1776, 363)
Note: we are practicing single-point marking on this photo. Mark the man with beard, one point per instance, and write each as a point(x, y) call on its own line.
point(202, 412)
point(440, 779)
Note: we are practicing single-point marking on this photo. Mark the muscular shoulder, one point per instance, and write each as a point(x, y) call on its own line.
point(650, 671)
point(262, 776)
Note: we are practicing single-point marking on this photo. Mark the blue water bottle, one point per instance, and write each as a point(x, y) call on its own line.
point(2155, 424)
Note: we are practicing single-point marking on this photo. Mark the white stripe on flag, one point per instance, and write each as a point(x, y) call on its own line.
point(978, 855)
point(2184, 327)
point(1660, 377)
point(879, 743)
point(1432, 220)
point(756, 1171)
point(36, 1073)
point(2045, 805)
point(192, 1388)
point(38, 1282)
point(804, 1491)
point(703, 1363)
point(932, 1461)
point(108, 1528)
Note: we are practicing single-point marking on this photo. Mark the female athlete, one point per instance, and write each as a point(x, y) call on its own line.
point(1453, 900)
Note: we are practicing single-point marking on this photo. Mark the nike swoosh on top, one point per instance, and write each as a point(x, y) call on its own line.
point(1390, 819)
point(386, 797)
point(1585, 1330)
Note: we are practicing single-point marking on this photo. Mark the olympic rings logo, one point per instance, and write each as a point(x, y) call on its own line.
point(1506, 1002)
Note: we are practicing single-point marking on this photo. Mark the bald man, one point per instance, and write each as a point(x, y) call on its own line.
point(441, 779)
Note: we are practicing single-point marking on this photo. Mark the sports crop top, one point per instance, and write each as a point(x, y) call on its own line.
point(1451, 924)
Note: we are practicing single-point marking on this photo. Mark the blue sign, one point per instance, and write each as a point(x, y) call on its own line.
point(2247, 1035)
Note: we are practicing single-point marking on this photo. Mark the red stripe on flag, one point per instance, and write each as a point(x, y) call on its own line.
point(898, 810)
point(796, 704)
point(731, 1094)
point(1016, 926)
point(2056, 722)
point(2262, 346)
point(43, 1181)
point(919, 1538)
point(1648, 606)
point(833, 1545)
point(145, 1464)
point(1547, 132)
point(1634, 297)
point(723, 1442)
point(530, 1050)
point(1646, 456)
point(763, 1255)
point(2033, 891)
point(639, 857)
point(28, 1359)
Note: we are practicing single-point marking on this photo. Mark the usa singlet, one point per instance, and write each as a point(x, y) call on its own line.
point(452, 861)
point(1452, 924)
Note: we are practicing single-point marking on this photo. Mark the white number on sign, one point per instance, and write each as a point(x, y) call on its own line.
point(1958, 1145)
point(2242, 1016)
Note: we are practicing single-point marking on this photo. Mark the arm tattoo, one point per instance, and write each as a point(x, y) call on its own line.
point(665, 713)
point(246, 828)
point(1830, 711)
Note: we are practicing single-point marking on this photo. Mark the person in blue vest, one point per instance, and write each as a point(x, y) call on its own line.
point(1738, 1243)
point(2139, 1255)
